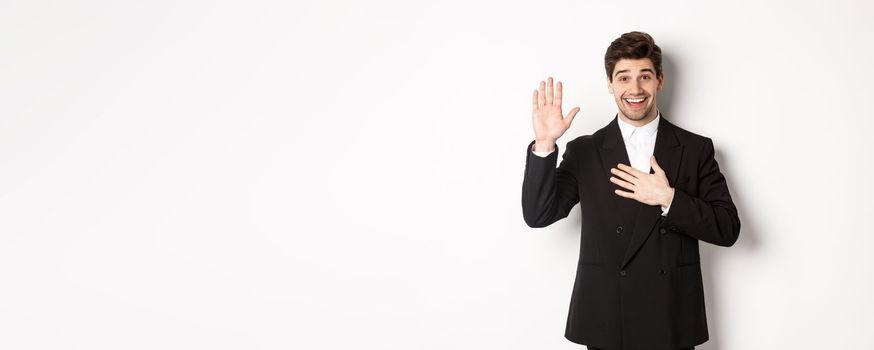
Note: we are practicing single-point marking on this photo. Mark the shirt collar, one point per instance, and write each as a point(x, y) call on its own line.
point(649, 128)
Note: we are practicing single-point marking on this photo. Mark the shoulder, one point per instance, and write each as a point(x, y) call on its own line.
point(697, 147)
point(581, 147)
point(692, 141)
point(588, 141)
point(580, 141)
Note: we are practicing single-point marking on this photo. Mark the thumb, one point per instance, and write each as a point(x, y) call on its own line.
point(571, 114)
point(655, 165)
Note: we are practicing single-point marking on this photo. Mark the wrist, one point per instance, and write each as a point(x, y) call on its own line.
point(669, 197)
point(544, 145)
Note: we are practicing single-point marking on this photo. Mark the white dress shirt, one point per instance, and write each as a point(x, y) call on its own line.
point(640, 144)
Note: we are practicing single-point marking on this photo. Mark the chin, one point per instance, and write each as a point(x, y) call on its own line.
point(636, 117)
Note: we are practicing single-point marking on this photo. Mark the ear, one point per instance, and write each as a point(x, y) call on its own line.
point(609, 85)
point(661, 80)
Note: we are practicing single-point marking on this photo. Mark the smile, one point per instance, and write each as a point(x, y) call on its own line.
point(635, 102)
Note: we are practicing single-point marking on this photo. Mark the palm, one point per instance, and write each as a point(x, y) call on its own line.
point(549, 122)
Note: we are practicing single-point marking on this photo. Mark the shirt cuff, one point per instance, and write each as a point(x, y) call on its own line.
point(541, 154)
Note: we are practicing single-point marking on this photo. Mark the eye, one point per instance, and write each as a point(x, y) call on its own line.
point(645, 77)
point(623, 78)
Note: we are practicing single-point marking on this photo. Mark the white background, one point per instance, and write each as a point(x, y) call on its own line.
point(347, 175)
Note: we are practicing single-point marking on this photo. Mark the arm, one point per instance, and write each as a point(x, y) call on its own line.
point(711, 217)
point(548, 193)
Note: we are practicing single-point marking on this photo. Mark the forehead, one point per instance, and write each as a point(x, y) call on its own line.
point(633, 65)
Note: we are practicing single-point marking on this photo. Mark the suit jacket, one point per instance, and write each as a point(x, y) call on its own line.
point(638, 282)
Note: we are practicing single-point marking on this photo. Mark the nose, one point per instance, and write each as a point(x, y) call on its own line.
point(635, 88)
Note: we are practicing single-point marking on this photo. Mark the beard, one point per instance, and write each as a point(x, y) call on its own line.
point(638, 115)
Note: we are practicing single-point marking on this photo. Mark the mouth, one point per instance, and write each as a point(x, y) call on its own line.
point(634, 103)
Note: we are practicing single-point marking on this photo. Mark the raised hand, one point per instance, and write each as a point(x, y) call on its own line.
point(549, 123)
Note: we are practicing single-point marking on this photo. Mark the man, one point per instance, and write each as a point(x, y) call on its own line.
point(649, 191)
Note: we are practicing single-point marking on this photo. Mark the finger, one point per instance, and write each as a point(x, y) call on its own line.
point(571, 115)
point(625, 184)
point(624, 194)
point(630, 170)
point(625, 176)
point(534, 101)
point(549, 97)
point(542, 99)
point(655, 165)
point(557, 100)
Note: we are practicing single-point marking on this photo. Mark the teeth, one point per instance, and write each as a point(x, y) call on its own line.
point(634, 100)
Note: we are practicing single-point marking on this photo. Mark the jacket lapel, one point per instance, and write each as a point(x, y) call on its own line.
point(613, 152)
point(668, 152)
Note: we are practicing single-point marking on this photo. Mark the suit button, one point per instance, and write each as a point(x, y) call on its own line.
point(622, 273)
point(662, 230)
point(662, 271)
point(619, 229)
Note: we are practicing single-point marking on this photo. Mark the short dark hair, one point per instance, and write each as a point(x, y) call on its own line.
point(633, 45)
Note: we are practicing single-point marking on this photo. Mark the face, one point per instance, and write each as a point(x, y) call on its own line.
point(634, 87)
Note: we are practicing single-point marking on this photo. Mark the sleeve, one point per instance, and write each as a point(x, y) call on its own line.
point(541, 154)
point(710, 217)
point(548, 193)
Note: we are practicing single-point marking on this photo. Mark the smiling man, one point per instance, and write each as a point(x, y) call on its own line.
point(649, 192)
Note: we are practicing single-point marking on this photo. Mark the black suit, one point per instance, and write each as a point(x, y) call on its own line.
point(638, 281)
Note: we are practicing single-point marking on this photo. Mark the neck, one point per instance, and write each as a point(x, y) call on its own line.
point(638, 123)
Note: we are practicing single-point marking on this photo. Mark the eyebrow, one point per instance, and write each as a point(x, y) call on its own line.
point(626, 71)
